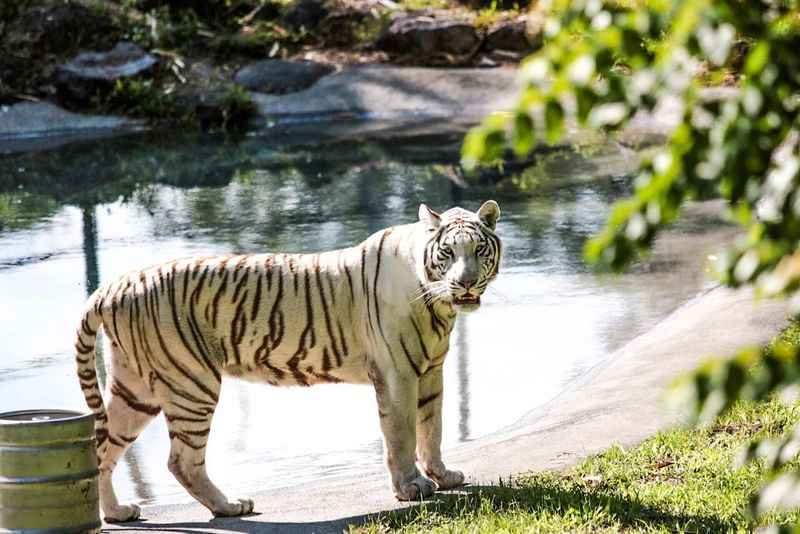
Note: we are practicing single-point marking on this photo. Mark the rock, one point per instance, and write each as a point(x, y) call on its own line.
point(495, 4)
point(305, 14)
point(424, 36)
point(28, 120)
point(343, 27)
point(278, 76)
point(59, 29)
point(92, 72)
point(214, 109)
point(268, 11)
point(509, 35)
point(205, 9)
point(38, 37)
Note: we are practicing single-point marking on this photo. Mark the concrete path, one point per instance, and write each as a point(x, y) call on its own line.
point(388, 92)
point(619, 402)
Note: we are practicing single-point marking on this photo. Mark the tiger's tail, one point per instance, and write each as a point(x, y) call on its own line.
point(85, 340)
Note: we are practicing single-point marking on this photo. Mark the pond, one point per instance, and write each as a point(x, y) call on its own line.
point(77, 215)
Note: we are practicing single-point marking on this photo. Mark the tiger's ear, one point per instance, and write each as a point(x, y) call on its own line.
point(430, 218)
point(489, 213)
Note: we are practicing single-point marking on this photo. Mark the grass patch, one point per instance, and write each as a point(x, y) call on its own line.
point(680, 480)
point(485, 18)
point(413, 5)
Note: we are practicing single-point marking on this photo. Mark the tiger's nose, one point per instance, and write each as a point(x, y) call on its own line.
point(467, 284)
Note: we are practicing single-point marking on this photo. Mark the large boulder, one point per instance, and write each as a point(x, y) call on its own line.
point(349, 26)
point(279, 77)
point(60, 29)
point(91, 73)
point(511, 35)
point(305, 14)
point(422, 35)
point(34, 39)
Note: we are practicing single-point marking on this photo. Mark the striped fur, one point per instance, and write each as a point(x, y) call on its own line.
point(378, 313)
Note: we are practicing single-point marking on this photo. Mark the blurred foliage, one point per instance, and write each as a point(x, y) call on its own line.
point(21, 209)
point(229, 110)
point(160, 27)
point(139, 98)
point(603, 63)
point(263, 39)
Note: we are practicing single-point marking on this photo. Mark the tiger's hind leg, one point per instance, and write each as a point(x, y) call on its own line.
point(130, 408)
point(188, 430)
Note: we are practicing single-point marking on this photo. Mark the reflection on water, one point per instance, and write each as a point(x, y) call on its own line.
point(83, 214)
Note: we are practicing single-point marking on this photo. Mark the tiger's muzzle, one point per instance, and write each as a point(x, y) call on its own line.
point(467, 302)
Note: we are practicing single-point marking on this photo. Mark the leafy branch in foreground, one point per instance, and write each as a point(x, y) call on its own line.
point(604, 63)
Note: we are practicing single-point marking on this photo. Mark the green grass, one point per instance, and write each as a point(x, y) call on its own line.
point(680, 480)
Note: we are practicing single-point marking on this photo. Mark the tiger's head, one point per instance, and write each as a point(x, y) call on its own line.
point(462, 254)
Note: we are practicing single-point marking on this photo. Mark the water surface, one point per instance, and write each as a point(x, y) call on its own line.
point(78, 215)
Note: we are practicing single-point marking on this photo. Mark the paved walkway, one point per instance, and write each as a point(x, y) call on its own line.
point(619, 402)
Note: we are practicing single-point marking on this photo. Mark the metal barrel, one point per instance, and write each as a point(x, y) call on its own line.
point(48, 472)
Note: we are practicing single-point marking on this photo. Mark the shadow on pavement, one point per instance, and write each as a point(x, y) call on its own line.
point(249, 523)
point(532, 498)
point(542, 497)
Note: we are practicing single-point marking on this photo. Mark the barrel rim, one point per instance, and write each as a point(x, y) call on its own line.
point(75, 417)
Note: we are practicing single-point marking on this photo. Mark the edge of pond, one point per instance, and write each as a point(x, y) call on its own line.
point(619, 402)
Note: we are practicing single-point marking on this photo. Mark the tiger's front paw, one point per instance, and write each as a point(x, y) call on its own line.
point(450, 479)
point(237, 507)
point(122, 513)
point(415, 489)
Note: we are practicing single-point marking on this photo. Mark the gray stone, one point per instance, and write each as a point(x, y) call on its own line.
point(397, 92)
point(305, 14)
point(277, 76)
point(37, 125)
point(92, 72)
point(343, 27)
point(509, 35)
point(423, 35)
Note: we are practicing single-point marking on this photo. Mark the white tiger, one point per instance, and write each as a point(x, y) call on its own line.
point(377, 313)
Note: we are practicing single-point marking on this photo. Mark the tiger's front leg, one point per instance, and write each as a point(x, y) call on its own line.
point(429, 431)
point(396, 393)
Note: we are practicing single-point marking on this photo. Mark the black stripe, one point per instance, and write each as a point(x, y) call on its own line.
point(350, 284)
point(425, 400)
point(121, 391)
point(276, 316)
point(238, 327)
point(186, 441)
point(239, 286)
point(188, 374)
point(256, 299)
point(203, 356)
point(134, 320)
point(410, 359)
point(215, 302)
point(324, 302)
point(421, 341)
point(86, 329)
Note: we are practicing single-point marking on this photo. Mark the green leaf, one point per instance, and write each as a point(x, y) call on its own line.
point(554, 121)
point(757, 58)
point(523, 133)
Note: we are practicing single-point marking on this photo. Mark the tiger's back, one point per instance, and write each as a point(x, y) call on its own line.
point(284, 319)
